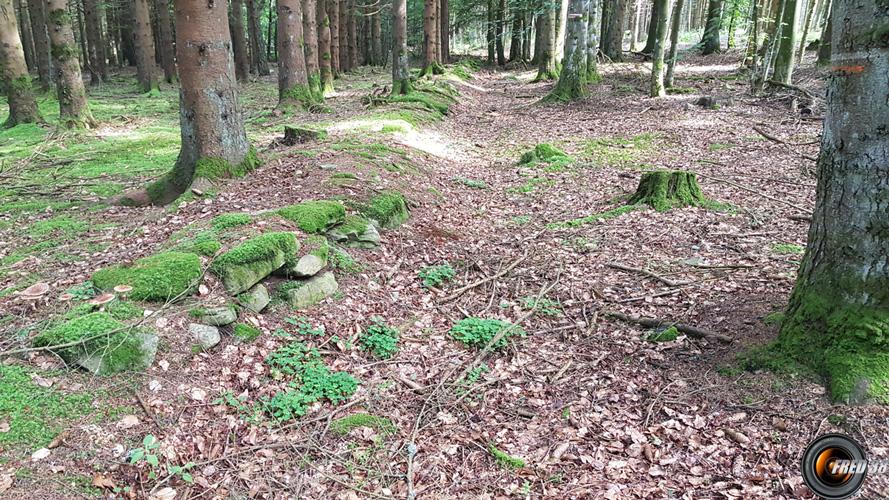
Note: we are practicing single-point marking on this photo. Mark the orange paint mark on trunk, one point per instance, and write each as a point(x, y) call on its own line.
point(850, 69)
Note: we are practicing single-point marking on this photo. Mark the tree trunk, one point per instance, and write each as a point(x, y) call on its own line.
point(657, 56)
point(24, 24)
point(572, 82)
point(547, 69)
point(376, 37)
point(81, 39)
point(165, 37)
point(837, 321)
point(808, 22)
point(74, 111)
point(674, 44)
point(594, 23)
point(14, 77)
point(665, 189)
point(145, 68)
point(271, 45)
point(92, 10)
point(401, 78)
point(431, 64)
point(354, 60)
point(127, 37)
point(214, 144)
point(239, 40)
point(710, 41)
point(490, 31)
point(445, 31)
point(787, 43)
point(258, 61)
point(732, 24)
point(324, 57)
point(333, 14)
point(515, 39)
point(824, 48)
point(500, 32)
point(561, 28)
point(652, 28)
point(344, 35)
point(526, 44)
point(310, 39)
point(293, 77)
point(613, 29)
point(37, 11)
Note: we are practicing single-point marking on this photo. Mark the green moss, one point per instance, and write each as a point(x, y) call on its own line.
point(159, 277)
point(423, 99)
point(544, 153)
point(667, 335)
point(787, 248)
point(36, 415)
point(245, 265)
point(228, 221)
point(505, 460)
point(665, 189)
point(217, 168)
point(62, 225)
point(601, 216)
point(353, 225)
point(315, 216)
point(388, 208)
point(774, 318)
point(347, 424)
point(246, 333)
point(303, 95)
point(123, 310)
point(619, 151)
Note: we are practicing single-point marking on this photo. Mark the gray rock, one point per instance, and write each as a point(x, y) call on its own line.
point(256, 298)
point(105, 362)
point(205, 335)
point(218, 316)
point(312, 291)
point(308, 266)
point(356, 232)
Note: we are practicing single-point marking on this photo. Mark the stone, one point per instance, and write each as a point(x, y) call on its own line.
point(356, 232)
point(308, 266)
point(218, 316)
point(300, 135)
point(312, 291)
point(256, 298)
point(100, 364)
point(204, 335)
point(250, 262)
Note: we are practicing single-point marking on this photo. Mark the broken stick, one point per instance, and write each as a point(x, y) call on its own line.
point(689, 330)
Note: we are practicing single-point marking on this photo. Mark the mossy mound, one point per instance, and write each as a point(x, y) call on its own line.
point(205, 243)
point(314, 217)
point(157, 278)
point(666, 189)
point(347, 424)
point(357, 232)
point(298, 134)
point(247, 264)
point(106, 346)
point(389, 209)
point(544, 153)
point(246, 333)
point(228, 221)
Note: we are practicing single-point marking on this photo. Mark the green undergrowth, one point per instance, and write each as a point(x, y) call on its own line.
point(436, 276)
point(379, 339)
point(159, 277)
point(246, 333)
point(505, 460)
point(228, 221)
point(344, 425)
point(787, 249)
point(62, 226)
point(342, 260)
point(478, 332)
point(619, 151)
point(389, 208)
point(599, 217)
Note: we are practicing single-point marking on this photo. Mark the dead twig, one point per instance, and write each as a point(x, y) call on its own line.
point(689, 330)
point(751, 190)
point(460, 291)
point(668, 282)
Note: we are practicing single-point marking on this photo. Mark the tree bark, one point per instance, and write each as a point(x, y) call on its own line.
point(807, 23)
point(445, 31)
point(92, 11)
point(145, 67)
point(352, 17)
point(515, 39)
point(561, 28)
point(345, 64)
point(652, 28)
point(527, 25)
point(594, 23)
point(401, 78)
point(37, 13)
point(127, 36)
point(376, 38)
point(787, 43)
point(239, 40)
point(657, 56)
point(14, 77)
point(501, 32)
point(310, 39)
point(333, 13)
point(824, 47)
point(674, 44)
point(837, 321)
point(572, 82)
point(490, 31)
point(165, 37)
point(258, 60)
point(293, 76)
point(547, 69)
point(613, 29)
point(710, 40)
point(74, 111)
point(324, 57)
point(431, 63)
point(24, 24)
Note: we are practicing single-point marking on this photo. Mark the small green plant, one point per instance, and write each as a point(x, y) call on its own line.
point(471, 183)
point(545, 306)
point(666, 335)
point(304, 327)
point(246, 333)
point(379, 339)
point(147, 454)
point(478, 332)
point(464, 385)
point(83, 291)
point(505, 460)
point(521, 220)
point(435, 276)
point(340, 259)
point(787, 249)
point(718, 146)
point(246, 410)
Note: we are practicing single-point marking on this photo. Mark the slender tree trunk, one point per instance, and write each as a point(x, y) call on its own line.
point(324, 57)
point(515, 39)
point(401, 78)
point(333, 13)
point(837, 321)
point(674, 43)
point(239, 40)
point(14, 77)
point(802, 42)
point(354, 60)
point(258, 61)
point(445, 31)
point(24, 24)
point(572, 82)
point(787, 43)
point(165, 37)
point(732, 23)
point(561, 29)
point(214, 143)
point(535, 60)
point(376, 38)
point(145, 68)
point(501, 32)
point(95, 40)
point(293, 77)
point(310, 44)
point(547, 69)
point(344, 35)
point(528, 29)
point(652, 28)
point(431, 64)
point(37, 11)
point(490, 31)
point(74, 111)
point(271, 46)
point(594, 24)
point(657, 62)
point(824, 47)
point(127, 36)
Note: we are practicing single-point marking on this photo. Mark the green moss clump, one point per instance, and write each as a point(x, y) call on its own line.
point(477, 332)
point(388, 208)
point(347, 424)
point(218, 168)
point(505, 460)
point(606, 215)
point(423, 99)
point(353, 225)
point(62, 225)
point(544, 153)
point(251, 261)
point(228, 221)
point(315, 217)
point(774, 318)
point(159, 277)
point(122, 310)
point(666, 335)
point(205, 243)
point(665, 189)
point(246, 333)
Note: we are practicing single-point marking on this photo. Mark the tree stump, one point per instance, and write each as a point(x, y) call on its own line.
point(666, 189)
point(300, 135)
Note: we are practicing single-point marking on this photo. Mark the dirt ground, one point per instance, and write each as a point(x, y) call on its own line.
point(592, 408)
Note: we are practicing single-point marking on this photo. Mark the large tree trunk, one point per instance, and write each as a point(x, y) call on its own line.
point(354, 60)
point(214, 143)
point(674, 44)
point(515, 38)
point(401, 78)
point(652, 28)
point(74, 112)
point(14, 77)
point(547, 69)
point(710, 40)
point(37, 11)
point(572, 82)
point(787, 43)
point(561, 28)
point(431, 64)
point(145, 67)
point(824, 47)
point(333, 13)
point(837, 322)
point(490, 31)
point(165, 37)
point(376, 38)
point(92, 11)
point(258, 60)
point(613, 29)
point(657, 56)
point(239, 40)
point(527, 25)
point(127, 37)
point(324, 57)
point(293, 76)
point(445, 31)
point(310, 39)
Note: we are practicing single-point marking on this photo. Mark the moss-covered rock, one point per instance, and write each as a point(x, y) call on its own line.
point(389, 209)
point(228, 221)
point(158, 278)
point(216, 315)
point(357, 232)
point(105, 345)
point(314, 217)
point(310, 292)
point(247, 264)
point(299, 135)
point(544, 153)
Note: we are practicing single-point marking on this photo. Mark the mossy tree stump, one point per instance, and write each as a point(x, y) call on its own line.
point(666, 189)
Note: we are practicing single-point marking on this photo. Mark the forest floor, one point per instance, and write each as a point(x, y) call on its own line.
point(583, 406)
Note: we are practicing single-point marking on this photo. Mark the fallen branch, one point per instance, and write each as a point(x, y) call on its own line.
point(460, 291)
point(793, 87)
point(751, 190)
point(689, 330)
point(668, 282)
point(786, 144)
